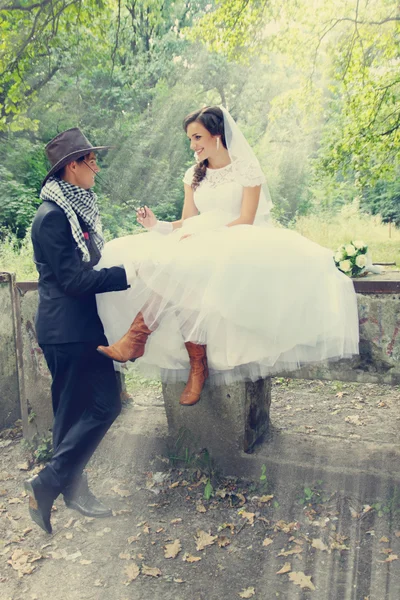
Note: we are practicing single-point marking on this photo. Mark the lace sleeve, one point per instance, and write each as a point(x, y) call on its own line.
point(248, 173)
point(188, 177)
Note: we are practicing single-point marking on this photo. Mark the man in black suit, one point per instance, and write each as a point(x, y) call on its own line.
point(67, 242)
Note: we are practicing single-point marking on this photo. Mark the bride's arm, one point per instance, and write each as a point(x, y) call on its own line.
point(250, 200)
point(147, 218)
point(189, 207)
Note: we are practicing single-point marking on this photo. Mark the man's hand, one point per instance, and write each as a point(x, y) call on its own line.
point(187, 235)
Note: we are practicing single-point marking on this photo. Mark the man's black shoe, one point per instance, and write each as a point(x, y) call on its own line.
point(84, 501)
point(40, 502)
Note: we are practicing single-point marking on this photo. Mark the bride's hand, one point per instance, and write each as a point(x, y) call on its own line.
point(187, 235)
point(146, 217)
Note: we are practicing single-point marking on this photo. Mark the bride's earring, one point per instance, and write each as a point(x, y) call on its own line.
point(218, 143)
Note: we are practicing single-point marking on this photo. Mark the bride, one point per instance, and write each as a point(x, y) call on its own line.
point(221, 293)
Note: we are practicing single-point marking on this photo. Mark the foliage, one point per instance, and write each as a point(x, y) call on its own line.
point(314, 87)
point(17, 257)
point(18, 204)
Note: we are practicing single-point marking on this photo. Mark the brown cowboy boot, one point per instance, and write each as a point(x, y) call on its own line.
point(198, 374)
point(131, 345)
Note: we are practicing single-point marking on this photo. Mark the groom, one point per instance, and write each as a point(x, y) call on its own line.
point(67, 241)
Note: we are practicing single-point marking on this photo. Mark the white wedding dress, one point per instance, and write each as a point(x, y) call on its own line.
point(263, 299)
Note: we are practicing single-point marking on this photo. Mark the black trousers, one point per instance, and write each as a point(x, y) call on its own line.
point(86, 401)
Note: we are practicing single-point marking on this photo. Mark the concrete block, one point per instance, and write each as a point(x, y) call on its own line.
point(227, 420)
point(35, 379)
point(9, 390)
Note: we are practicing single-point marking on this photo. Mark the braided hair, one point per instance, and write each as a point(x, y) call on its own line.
point(212, 118)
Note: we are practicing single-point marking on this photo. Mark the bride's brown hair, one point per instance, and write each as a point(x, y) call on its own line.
point(212, 118)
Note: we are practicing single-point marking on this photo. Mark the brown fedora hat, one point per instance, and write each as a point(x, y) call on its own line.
point(67, 146)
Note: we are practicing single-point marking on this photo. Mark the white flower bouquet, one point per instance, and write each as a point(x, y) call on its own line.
point(352, 258)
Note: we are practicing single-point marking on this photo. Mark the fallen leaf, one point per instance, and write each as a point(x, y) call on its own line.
point(247, 593)
point(172, 550)
point(175, 521)
point(85, 562)
point(223, 541)
point(24, 466)
point(230, 526)
point(69, 536)
point(15, 501)
point(69, 523)
point(267, 542)
point(21, 561)
point(295, 550)
point(392, 557)
point(264, 499)
point(299, 578)
point(124, 556)
point(397, 533)
point(200, 507)
point(241, 498)
point(122, 493)
point(366, 508)
point(319, 544)
point(384, 539)
point(285, 569)
point(286, 527)
point(151, 571)
point(385, 551)
point(249, 516)
point(353, 420)
point(133, 538)
point(204, 539)
point(354, 513)
point(191, 559)
point(132, 571)
point(174, 485)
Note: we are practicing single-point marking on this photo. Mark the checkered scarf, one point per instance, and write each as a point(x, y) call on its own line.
point(74, 200)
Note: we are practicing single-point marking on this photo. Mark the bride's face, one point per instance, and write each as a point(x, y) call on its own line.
point(201, 141)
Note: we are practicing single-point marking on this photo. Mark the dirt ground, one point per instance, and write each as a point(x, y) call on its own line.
point(181, 532)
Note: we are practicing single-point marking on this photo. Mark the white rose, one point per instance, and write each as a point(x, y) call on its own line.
point(345, 266)
point(339, 256)
point(359, 244)
point(350, 250)
point(361, 261)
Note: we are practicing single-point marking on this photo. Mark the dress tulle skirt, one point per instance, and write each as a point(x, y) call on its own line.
point(264, 300)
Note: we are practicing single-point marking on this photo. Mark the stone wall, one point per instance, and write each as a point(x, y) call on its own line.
point(9, 389)
point(35, 379)
point(25, 380)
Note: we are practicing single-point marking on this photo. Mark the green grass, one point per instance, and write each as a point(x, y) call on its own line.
point(349, 224)
point(18, 259)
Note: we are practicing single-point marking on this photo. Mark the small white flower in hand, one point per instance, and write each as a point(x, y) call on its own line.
point(146, 217)
point(350, 250)
point(345, 266)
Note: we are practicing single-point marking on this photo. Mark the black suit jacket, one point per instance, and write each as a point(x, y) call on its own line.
point(67, 309)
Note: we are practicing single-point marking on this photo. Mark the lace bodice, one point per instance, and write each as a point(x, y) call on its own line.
point(218, 191)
